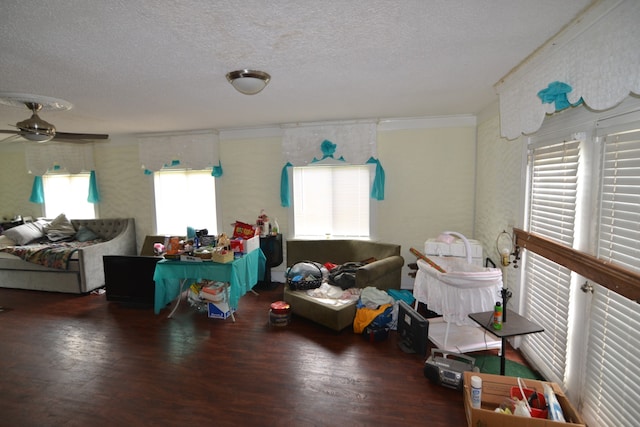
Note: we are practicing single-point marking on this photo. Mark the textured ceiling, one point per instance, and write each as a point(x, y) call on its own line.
point(132, 66)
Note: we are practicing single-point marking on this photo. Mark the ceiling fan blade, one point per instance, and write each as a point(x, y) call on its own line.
point(15, 137)
point(15, 132)
point(79, 137)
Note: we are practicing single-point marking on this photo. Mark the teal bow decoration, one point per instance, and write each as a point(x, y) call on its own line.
point(216, 171)
point(556, 93)
point(328, 148)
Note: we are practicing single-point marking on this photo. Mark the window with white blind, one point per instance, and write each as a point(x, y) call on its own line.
point(585, 193)
point(331, 201)
point(619, 232)
point(553, 181)
point(612, 372)
point(185, 198)
point(67, 193)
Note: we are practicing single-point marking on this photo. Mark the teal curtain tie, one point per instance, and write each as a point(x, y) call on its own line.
point(285, 196)
point(37, 190)
point(94, 194)
point(377, 190)
point(216, 171)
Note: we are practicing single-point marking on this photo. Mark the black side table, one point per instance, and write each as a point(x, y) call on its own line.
point(271, 246)
point(516, 325)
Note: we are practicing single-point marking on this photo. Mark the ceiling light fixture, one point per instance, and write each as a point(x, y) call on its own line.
point(249, 82)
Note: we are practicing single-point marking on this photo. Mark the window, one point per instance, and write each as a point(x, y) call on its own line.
point(584, 193)
point(67, 193)
point(185, 198)
point(619, 234)
point(331, 201)
point(552, 213)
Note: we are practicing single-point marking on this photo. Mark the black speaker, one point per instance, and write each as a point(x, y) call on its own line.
point(129, 279)
point(432, 373)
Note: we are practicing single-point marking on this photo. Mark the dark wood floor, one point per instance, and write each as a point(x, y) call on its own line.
point(79, 360)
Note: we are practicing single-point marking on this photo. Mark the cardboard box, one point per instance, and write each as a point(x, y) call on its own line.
point(251, 244)
point(243, 230)
point(496, 388)
point(220, 310)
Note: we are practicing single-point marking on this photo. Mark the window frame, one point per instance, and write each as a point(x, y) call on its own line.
point(333, 163)
point(599, 287)
point(178, 169)
point(86, 176)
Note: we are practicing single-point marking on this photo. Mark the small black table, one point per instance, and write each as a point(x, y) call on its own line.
point(271, 246)
point(516, 325)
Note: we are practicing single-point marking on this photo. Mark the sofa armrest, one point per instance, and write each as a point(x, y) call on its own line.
point(382, 274)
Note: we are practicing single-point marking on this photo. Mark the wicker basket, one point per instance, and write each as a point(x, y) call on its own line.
point(304, 275)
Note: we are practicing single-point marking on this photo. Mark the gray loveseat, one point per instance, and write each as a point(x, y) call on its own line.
point(383, 273)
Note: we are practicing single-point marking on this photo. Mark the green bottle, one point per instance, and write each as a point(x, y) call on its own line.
point(497, 316)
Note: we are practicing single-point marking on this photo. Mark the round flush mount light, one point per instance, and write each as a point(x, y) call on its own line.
point(249, 82)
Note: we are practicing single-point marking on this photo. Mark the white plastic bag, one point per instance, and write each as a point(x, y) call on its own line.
point(555, 411)
point(521, 409)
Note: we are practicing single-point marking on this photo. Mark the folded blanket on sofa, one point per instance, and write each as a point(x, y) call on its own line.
point(52, 255)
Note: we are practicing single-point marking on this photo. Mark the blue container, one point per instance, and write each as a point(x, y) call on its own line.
point(402, 294)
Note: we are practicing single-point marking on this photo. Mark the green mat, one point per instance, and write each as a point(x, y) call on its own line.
point(489, 364)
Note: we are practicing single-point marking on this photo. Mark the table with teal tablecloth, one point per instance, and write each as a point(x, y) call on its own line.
point(242, 274)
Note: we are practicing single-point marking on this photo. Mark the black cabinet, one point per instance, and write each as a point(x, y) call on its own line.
point(129, 279)
point(272, 248)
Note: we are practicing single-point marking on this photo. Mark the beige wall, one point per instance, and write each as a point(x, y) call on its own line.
point(15, 184)
point(499, 192)
point(430, 188)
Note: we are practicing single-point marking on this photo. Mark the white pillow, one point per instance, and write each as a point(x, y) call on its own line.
point(60, 228)
point(25, 233)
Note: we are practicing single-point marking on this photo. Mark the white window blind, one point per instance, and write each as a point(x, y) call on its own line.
point(602, 329)
point(613, 361)
point(619, 233)
point(185, 198)
point(331, 201)
point(553, 170)
point(67, 193)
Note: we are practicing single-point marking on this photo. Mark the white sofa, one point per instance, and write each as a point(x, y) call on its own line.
point(85, 271)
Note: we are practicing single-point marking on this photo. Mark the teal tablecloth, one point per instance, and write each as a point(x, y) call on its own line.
point(242, 274)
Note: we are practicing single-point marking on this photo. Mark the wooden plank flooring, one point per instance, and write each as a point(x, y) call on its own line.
point(70, 360)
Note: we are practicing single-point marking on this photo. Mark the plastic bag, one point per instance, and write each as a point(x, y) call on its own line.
point(555, 411)
point(522, 409)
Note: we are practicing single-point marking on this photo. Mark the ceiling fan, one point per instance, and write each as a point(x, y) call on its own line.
point(38, 130)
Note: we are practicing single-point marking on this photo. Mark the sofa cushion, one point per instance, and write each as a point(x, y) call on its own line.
point(85, 234)
point(324, 312)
